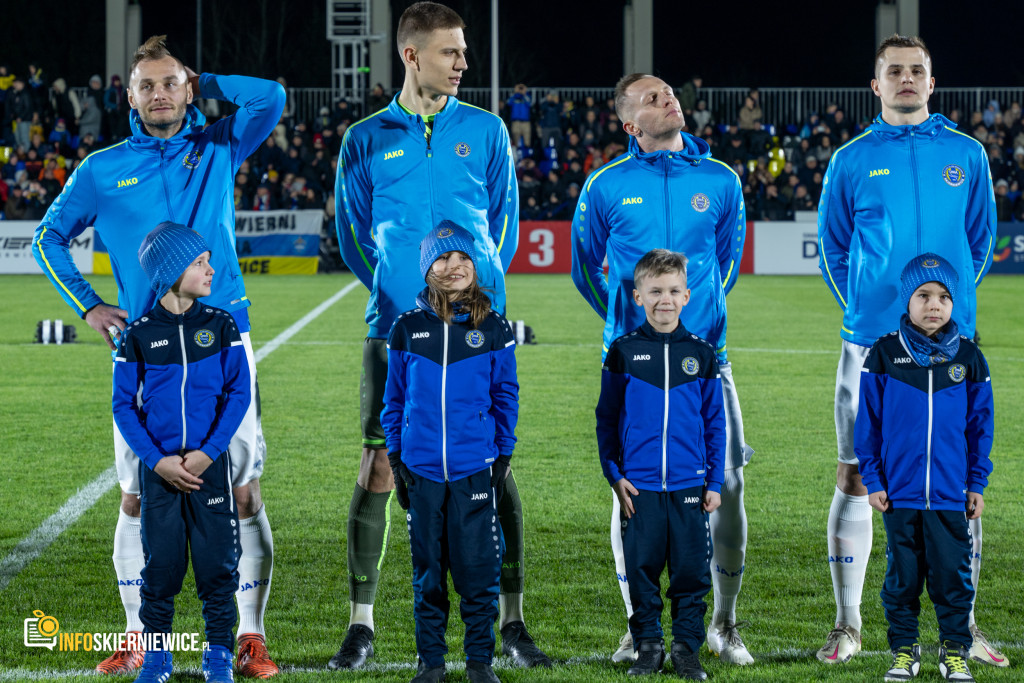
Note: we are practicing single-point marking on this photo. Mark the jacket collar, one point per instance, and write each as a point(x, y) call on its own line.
point(397, 111)
point(927, 130)
point(161, 313)
point(193, 124)
point(694, 151)
point(675, 335)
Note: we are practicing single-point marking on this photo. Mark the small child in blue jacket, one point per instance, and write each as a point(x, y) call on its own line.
point(923, 436)
point(661, 438)
point(450, 408)
point(181, 389)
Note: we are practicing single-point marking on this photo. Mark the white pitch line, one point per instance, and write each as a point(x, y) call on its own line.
point(46, 533)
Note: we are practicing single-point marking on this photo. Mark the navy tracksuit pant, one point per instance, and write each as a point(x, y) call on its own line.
point(453, 527)
point(668, 528)
point(203, 523)
point(932, 546)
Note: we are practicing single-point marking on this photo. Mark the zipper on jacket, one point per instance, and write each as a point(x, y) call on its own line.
point(917, 186)
point(444, 412)
point(163, 178)
point(668, 205)
point(184, 378)
point(664, 431)
point(430, 168)
point(928, 452)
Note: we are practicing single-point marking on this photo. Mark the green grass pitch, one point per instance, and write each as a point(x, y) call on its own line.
point(784, 344)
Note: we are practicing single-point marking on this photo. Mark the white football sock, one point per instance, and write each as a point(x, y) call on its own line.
point(128, 563)
point(849, 545)
point(975, 526)
point(729, 540)
point(620, 557)
point(360, 613)
point(255, 568)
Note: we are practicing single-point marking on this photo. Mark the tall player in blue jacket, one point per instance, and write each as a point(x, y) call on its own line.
point(909, 184)
point(668, 192)
point(425, 158)
point(172, 168)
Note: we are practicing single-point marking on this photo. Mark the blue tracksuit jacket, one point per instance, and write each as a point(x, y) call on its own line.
point(394, 184)
point(125, 190)
point(895, 192)
point(684, 201)
point(451, 401)
point(195, 382)
point(660, 418)
point(923, 435)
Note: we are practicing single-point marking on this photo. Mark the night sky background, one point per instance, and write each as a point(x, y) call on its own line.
point(547, 42)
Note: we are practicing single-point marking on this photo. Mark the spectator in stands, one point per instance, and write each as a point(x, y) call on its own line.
point(342, 114)
point(773, 207)
point(590, 123)
point(323, 120)
point(734, 151)
point(36, 87)
point(574, 174)
point(614, 135)
point(332, 143)
point(748, 114)
point(6, 78)
point(998, 165)
point(807, 171)
point(265, 199)
point(529, 187)
point(840, 123)
point(60, 135)
point(550, 121)
point(570, 119)
point(33, 164)
point(823, 151)
point(88, 140)
point(1004, 205)
point(988, 117)
point(91, 120)
point(700, 117)
point(16, 205)
point(957, 118)
point(529, 209)
point(557, 209)
point(802, 199)
point(688, 96)
point(64, 105)
point(19, 112)
point(50, 183)
point(377, 100)
point(520, 105)
point(270, 155)
point(11, 168)
point(39, 145)
point(553, 185)
point(759, 140)
point(1017, 166)
point(115, 109)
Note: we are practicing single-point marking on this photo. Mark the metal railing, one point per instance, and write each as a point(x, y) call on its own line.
point(780, 106)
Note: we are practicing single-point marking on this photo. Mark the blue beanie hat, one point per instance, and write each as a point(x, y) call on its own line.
point(167, 251)
point(447, 236)
point(928, 267)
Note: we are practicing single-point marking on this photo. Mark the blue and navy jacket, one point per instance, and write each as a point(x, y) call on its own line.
point(683, 201)
point(924, 434)
point(194, 380)
point(451, 401)
point(660, 418)
point(394, 183)
point(125, 190)
point(892, 193)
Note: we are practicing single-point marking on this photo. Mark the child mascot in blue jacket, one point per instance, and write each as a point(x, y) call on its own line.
point(923, 437)
point(450, 408)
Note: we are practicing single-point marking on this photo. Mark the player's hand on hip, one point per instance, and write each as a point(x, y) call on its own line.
point(975, 504)
point(196, 462)
point(623, 491)
point(712, 499)
point(880, 501)
point(109, 321)
point(173, 471)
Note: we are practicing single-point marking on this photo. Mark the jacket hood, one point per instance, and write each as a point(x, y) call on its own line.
point(931, 126)
point(194, 123)
point(694, 150)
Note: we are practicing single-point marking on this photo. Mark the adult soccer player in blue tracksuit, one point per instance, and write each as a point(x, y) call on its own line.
point(909, 184)
point(661, 437)
point(451, 403)
point(923, 436)
point(669, 192)
point(181, 389)
point(175, 168)
point(425, 158)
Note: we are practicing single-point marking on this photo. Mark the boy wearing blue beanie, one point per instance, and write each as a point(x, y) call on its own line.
point(181, 389)
point(922, 437)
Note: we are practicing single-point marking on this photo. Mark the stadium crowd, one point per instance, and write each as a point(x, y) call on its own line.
point(47, 130)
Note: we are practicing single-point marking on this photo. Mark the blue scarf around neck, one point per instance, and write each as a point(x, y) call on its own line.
point(925, 350)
